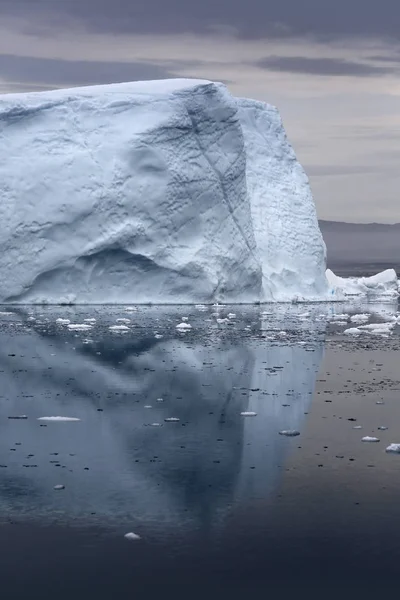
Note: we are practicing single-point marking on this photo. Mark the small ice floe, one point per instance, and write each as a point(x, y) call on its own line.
point(382, 428)
point(155, 425)
point(59, 419)
point(63, 321)
point(357, 427)
point(282, 333)
point(342, 317)
point(185, 318)
point(361, 318)
point(171, 420)
point(304, 315)
point(132, 536)
point(379, 402)
point(352, 331)
point(289, 432)
point(222, 321)
point(368, 438)
point(19, 417)
point(93, 321)
point(148, 406)
point(131, 309)
point(5, 314)
point(123, 320)
point(158, 336)
point(231, 316)
point(184, 326)
point(79, 326)
point(59, 487)
point(248, 414)
point(378, 328)
point(160, 399)
point(393, 448)
point(200, 306)
point(119, 328)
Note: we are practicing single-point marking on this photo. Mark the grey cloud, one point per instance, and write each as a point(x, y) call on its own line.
point(47, 72)
point(253, 18)
point(321, 66)
point(337, 170)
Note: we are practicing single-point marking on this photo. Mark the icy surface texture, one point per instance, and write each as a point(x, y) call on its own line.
point(164, 192)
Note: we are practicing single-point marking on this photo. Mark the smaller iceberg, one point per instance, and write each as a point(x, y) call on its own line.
point(384, 284)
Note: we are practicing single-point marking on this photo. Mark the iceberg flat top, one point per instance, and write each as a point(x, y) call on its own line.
point(163, 191)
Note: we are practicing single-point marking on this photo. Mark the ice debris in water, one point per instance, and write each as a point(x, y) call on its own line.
point(63, 321)
point(120, 328)
point(357, 427)
point(183, 326)
point(171, 420)
point(352, 331)
point(361, 318)
point(289, 432)
point(248, 414)
point(132, 536)
point(79, 326)
point(59, 487)
point(92, 321)
point(123, 320)
point(368, 438)
point(60, 419)
point(382, 428)
point(393, 448)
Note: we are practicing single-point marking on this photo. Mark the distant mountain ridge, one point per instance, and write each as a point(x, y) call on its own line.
point(373, 246)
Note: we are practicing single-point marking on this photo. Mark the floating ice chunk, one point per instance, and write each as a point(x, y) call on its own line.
point(5, 313)
point(79, 327)
point(222, 321)
point(119, 328)
point(158, 336)
point(63, 321)
point(160, 399)
point(132, 536)
point(342, 317)
point(289, 432)
point(148, 406)
point(231, 316)
point(248, 414)
point(171, 420)
point(357, 427)
point(383, 428)
point(185, 318)
point(361, 318)
point(19, 417)
point(59, 487)
point(60, 419)
point(382, 284)
point(131, 309)
point(183, 326)
point(393, 448)
point(155, 425)
point(123, 320)
point(352, 331)
point(368, 438)
point(91, 320)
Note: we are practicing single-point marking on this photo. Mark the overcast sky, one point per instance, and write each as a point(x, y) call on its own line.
point(332, 68)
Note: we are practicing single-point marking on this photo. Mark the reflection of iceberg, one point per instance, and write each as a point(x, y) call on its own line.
point(181, 475)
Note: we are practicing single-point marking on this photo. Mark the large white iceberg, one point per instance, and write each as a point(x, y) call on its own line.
point(164, 192)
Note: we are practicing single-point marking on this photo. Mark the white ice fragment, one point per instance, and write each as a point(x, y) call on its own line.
point(59, 487)
point(63, 321)
point(123, 320)
point(185, 318)
point(368, 438)
point(184, 326)
point(231, 316)
point(393, 448)
point(132, 536)
point(91, 320)
point(119, 328)
point(131, 309)
point(171, 420)
point(357, 427)
point(79, 327)
point(360, 318)
point(248, 414)
point(60, 419)
point(158, 336)
point(352, 331)
point(148, 406)
point(383, 428)
point(289, 432)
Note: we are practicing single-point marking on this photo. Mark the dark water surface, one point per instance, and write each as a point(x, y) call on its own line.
point(221, 502)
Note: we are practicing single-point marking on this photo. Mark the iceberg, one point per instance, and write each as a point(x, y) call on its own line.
point(153, 192)
point(384, 284)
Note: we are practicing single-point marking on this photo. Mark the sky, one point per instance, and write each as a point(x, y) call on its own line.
point(332, 69)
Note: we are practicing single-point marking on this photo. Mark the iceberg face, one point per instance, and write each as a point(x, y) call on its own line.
point(163, 192)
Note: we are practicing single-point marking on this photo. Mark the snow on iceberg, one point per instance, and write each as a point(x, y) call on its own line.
point(167, 191)
point(382, 284)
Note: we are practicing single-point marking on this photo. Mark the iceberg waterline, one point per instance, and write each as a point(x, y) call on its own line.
point(165, 192)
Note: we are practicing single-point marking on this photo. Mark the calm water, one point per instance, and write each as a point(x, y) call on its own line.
point(221, 501)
